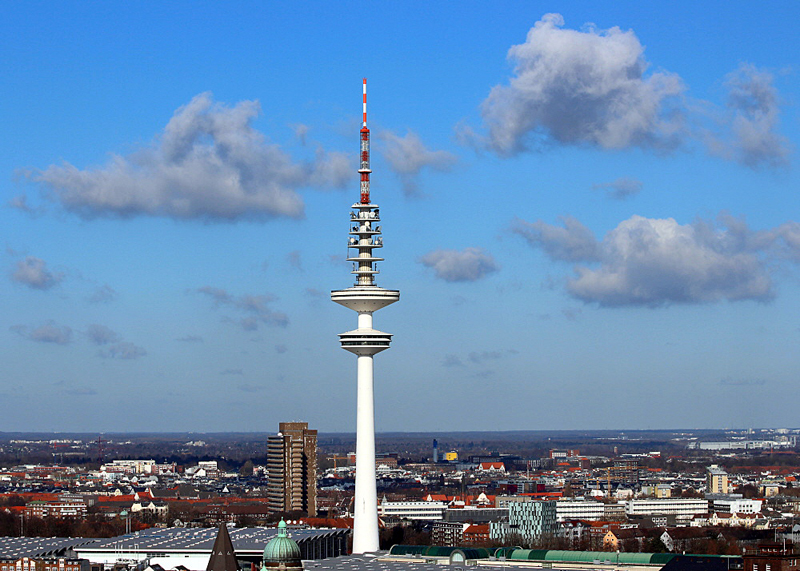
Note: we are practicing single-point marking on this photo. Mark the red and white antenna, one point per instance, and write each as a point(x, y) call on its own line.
point(364, 169)
point(365, 103)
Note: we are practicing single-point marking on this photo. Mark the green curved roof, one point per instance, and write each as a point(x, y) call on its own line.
point(505, 551)
point(473, 552)
point(439, 551)
point(281, 549)
point(586, 556)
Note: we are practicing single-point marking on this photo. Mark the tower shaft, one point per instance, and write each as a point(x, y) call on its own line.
point(365, 506)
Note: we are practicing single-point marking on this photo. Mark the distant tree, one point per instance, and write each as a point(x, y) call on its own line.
point(9, 526)
point(655, 545)
point(748, 491)
point(247, 469)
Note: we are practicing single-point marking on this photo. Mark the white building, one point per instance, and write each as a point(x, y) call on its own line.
point(579, 509)
point(681, 508)
point(737, 506)
point(133, 467)
point(430, 511)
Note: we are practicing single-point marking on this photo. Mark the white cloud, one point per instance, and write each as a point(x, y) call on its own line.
point(620, 189)
point(582, 87)
point(124, 350)
point(295, 260)
point(50, 332)
point(209, 163)
point(654, 262)
point(255, 307)
point(33, 273)
point(300, 132)
point(467, 265)
point(572, 243)
point(103, 294)
point(754, 113)
point(101, 335)
point(789, 232)
point(408, 155)
point(478, 357)
point(191, 339)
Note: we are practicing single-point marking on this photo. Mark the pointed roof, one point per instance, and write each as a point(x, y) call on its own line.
point(223, 558)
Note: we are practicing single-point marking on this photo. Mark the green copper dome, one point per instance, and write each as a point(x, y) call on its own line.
point(281, 549)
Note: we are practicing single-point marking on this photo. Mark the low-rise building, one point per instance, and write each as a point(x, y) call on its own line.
point(44, 509)
point(44, 564)
point(579, 509)
point(681, 508)
point(430, 511)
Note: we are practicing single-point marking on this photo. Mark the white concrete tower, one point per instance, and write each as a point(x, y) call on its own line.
point(365, 298)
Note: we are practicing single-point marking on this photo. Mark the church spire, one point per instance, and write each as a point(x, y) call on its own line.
point(223, 558)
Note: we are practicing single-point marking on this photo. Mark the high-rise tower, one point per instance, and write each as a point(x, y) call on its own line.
point(292, 465)
point(365, 298)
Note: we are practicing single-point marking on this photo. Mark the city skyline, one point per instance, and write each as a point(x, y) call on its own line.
point(590, 211)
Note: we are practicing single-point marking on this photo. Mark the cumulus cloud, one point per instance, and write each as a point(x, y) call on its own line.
point(101, 335)
point(295, 260)
point(789, 233)
point(255, 307)
point(753, 119)
point(124, 351)
point(20, 202)
point(589, 87)
point(300, 132)
point(408, 155)
point(103, 294)
point(467, 265)
point(50, 332)
point(620, 189)
point(572, 243)
point(209, 163)
point(654, 262)
point(479, 357)
point(33, 273)
point(451, 360)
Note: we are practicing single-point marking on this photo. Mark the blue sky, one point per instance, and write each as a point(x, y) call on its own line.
point(590, 211)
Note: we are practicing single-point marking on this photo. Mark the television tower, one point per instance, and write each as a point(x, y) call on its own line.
point(365, 298)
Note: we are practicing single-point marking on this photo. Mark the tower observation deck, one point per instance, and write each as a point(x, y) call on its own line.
point(365, 298)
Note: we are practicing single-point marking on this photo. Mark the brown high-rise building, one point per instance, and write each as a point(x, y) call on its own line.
point(292, 467)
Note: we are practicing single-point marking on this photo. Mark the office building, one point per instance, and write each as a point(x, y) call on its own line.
point(528, 522)
point(292, 469)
